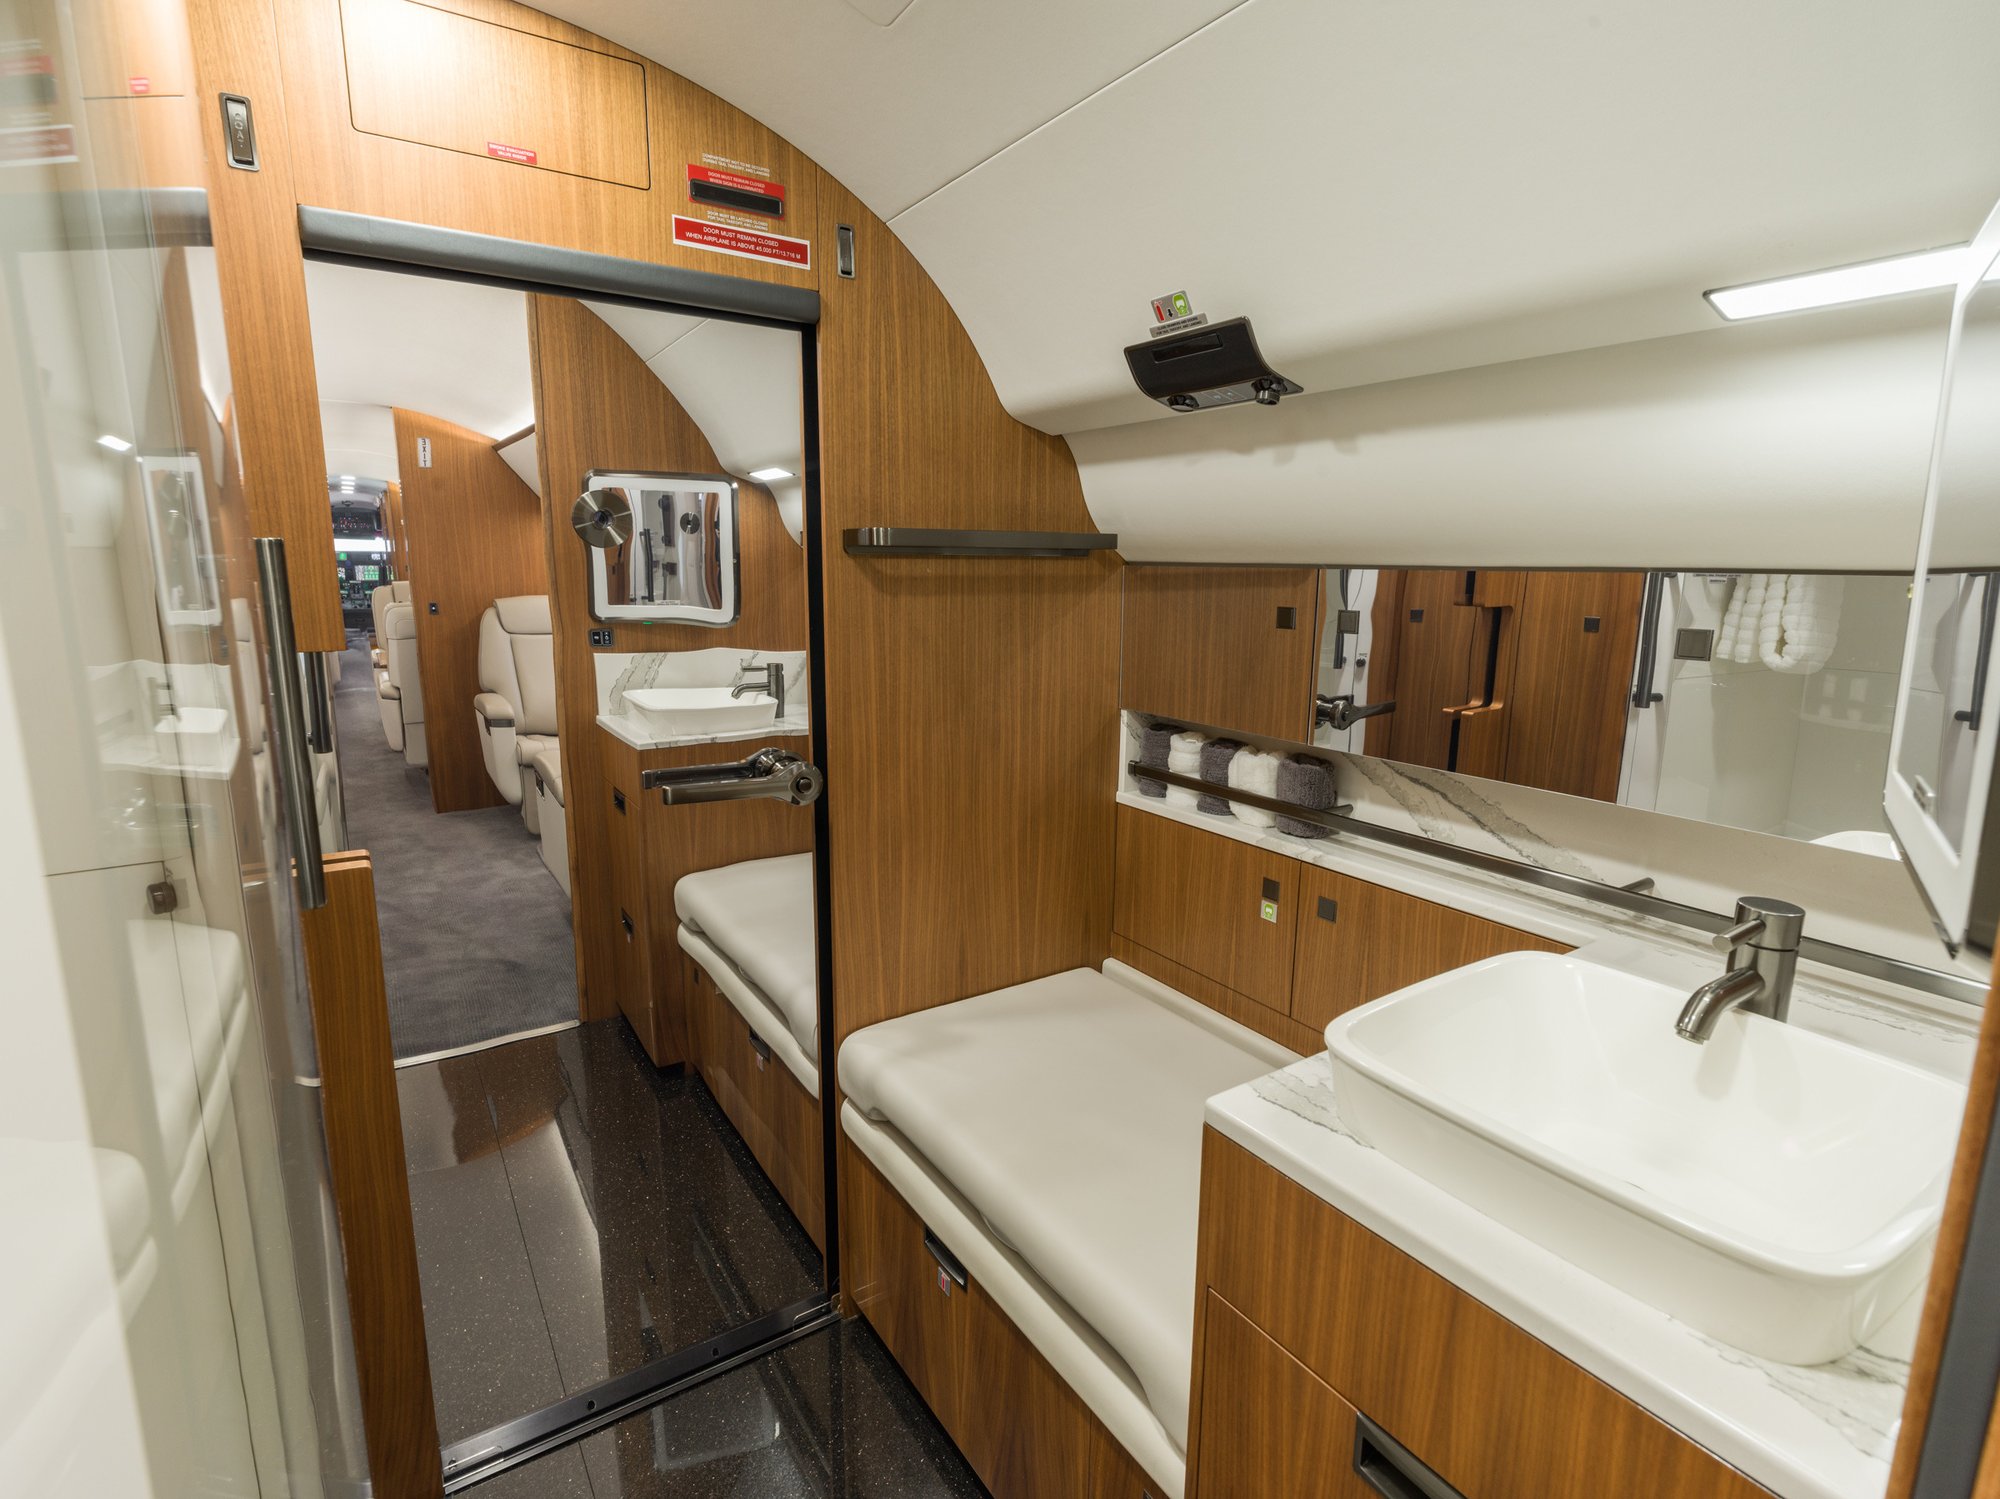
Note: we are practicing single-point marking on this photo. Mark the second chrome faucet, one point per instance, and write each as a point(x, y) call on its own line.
point(1763, 948)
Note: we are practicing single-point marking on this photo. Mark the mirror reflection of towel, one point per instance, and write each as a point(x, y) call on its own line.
point(1787, 621)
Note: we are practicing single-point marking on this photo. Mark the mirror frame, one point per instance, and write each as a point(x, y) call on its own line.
point(1964, 899)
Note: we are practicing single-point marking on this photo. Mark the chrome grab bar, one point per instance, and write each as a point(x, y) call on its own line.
point(770, 773)
point(288, 723)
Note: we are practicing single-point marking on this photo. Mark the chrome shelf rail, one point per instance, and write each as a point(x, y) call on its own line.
point(1932, 981)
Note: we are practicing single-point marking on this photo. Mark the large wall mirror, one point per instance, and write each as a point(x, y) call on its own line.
point(1754, 700)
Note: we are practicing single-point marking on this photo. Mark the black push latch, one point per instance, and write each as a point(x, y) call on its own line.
point(1288, 618)
point(239, 132)
point(1270, 889)
point(1329, 908)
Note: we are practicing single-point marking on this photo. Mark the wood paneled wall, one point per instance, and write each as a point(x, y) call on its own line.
point(971, 704)
point(475, 534)
point(598, 406)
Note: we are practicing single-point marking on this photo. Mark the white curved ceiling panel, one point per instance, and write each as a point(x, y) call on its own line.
point(1389, 189)
point(895, 111)
point(448, 348)
point(1794, 444)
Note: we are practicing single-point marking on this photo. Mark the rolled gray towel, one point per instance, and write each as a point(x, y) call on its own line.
point(1305, 783)
point(1215, 758)
point(1154, 746)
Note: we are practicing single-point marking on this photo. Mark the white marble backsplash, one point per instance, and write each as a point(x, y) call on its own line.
point(1928, 1031)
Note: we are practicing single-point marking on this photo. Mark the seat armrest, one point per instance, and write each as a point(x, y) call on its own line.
point(494, 711)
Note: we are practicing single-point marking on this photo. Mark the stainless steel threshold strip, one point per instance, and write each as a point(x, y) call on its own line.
point(500, 1449)
point(1850, 959)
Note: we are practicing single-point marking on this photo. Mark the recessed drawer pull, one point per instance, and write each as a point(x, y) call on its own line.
point(1391, 1469)
point(762, 1047)
point(617, 798)
point(947, 1261)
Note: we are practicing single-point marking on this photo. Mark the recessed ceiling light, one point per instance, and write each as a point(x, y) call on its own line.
point(1926, 270)
point(766, 475)
point(116, 444)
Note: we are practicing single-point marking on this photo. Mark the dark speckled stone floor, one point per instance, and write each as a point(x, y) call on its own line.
point(830, 1417)
point(578, 1215)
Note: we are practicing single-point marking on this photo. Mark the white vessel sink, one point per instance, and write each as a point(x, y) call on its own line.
point(700, 710)
point(1772, 1188)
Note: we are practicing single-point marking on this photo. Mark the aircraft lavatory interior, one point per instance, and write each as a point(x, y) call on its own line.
point(1212, 749)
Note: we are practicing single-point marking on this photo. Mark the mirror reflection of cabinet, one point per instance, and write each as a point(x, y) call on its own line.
point(1938, 795)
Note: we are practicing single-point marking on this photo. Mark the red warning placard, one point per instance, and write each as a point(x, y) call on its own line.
point(750, 244)
point(511, 153)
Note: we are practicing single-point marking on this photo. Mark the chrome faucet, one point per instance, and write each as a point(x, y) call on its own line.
point(772, 685)
point(1763, 950)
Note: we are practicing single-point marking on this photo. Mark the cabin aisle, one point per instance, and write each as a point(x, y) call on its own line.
point(476, 938)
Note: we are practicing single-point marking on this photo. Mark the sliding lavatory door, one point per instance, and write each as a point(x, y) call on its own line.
point(135, 631)
point(607, 1208)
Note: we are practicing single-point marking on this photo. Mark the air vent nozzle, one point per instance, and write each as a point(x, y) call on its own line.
point(1215, 365)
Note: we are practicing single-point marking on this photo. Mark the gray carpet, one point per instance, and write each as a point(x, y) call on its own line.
point(475, 931)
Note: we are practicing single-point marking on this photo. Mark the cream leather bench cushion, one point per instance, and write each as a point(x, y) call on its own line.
point(759, 916)
point(1068, 1112)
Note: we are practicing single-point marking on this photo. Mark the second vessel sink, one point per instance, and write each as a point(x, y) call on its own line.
point(1773, 1188)
point(700, 710)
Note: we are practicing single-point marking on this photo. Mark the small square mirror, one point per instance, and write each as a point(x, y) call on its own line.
point(679, 562)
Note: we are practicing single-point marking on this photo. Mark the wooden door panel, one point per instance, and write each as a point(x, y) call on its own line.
point(1197, 898)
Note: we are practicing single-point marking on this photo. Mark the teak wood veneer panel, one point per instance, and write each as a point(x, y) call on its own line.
point(972, 702)
point(1271, 1427)
point(1205, 644)
point(1261, 1018)
point(1493, 1411)
point(1567, 698)
point(274, 405)
point(777, 1118)
point(371, 1183)
point(1380, 940)
point(419, 73)
point(1195, 898)
point(475, 535)
point(598, 406)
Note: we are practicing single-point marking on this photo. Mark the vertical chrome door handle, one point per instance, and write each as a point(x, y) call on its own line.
point(288, 722)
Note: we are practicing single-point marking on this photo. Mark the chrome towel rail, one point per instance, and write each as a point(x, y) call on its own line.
point(915, 541)
point(1932, 981)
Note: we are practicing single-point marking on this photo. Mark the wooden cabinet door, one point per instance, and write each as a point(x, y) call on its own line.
point(627, 914)
point(1199, 899)
point(1270, 1427)
point(1025, 1432)
point(1232, 647)
point(922, 1319)
point(1579, 633)
point(1358, 941)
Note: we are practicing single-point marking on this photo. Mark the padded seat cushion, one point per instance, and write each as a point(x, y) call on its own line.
point(527, 746)
point(759, 914)
point(1068, 1112)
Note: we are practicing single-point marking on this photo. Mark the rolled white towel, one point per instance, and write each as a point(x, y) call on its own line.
point(1253, 770)
point(1737, 639)
point(1184, 759)
point(1807, 624)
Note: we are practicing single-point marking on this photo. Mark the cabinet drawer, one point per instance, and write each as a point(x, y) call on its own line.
point(417, 73)
point(1269, 1426)
point(921, 1315)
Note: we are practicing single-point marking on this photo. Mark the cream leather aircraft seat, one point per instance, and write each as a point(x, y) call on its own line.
point(399, 687)
point(516, 706)
point(548, 795)
point(378, 603)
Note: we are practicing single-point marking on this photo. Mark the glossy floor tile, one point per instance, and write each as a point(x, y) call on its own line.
point(830, 1417)
point(580, 1214)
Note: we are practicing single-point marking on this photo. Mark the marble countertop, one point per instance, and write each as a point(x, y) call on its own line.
point(640, 735)
point(1825, 1432)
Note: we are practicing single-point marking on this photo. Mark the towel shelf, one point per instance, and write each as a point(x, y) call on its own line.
point(1638, 901)
point(913, 541)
